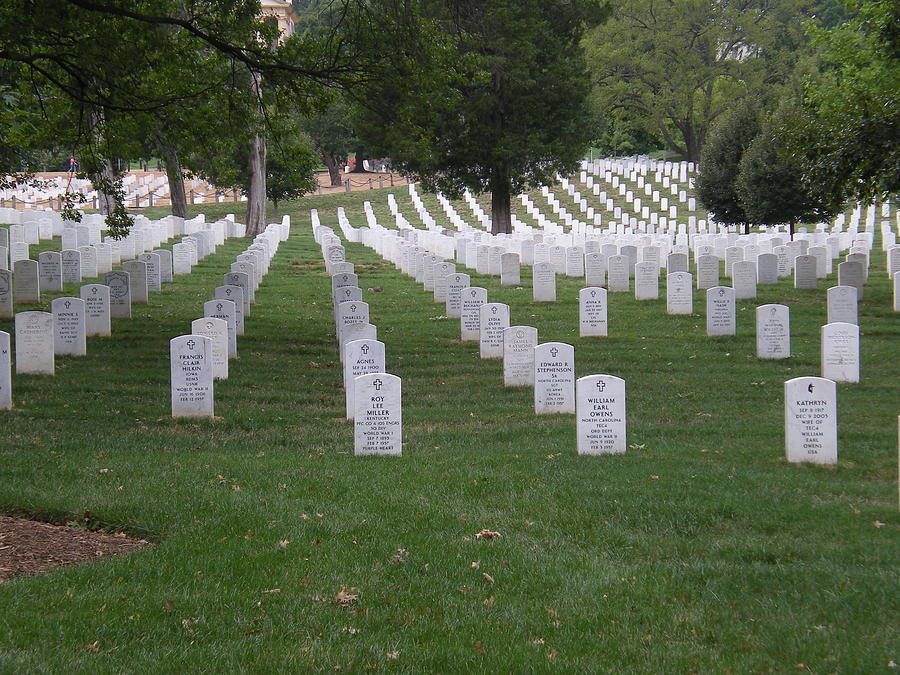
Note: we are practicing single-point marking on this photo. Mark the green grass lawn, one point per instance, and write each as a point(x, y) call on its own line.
point(699, 550)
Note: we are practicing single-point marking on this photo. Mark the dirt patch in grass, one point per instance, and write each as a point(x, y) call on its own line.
point(30, 547)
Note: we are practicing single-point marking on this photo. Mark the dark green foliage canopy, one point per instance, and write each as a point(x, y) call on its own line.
point(495, 98)
point(720, 163)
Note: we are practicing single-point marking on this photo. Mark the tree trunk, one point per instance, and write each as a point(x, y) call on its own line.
point(176, 182)
point(256, 196)
point(334, 169)
point(501, 221)
point(106, 200)
point(359, 163)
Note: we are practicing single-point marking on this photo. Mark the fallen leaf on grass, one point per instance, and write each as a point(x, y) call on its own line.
point(346, 596)
point(393, 656)
point(475, 565)
point(487, 534)
point(273, 590)
point(537, 642)
point(654, 477)
point(487, 577)
point(93, 647)
point(877, 523)
point(488, 602)
point(284, 543)
point(479, 648)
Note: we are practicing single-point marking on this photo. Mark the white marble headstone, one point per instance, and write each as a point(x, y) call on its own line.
point(471, 300)
point(96, 309)
point(720, 311)
point(190, 358)
point(493, 320)
point(69, 329)
point(554, 378)
point(5, 372)
point(810, 420)
point(773, 332)
point(34, 343)
point(592, 312)
point(840, 352)
point(361, 357)
point(601, 415)
point(119, 294)
point(377, 418)
point(518, 356)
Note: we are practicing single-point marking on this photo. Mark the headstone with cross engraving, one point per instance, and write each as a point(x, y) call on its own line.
point(217, 331)
point(377, 417)
point(356, 331)
point(493, 320)
point(810, 420)
point(69, 333)
point(592, 312)
point(518, 356)
point(151, 260)
point(840, 352)
point(241, 279)
point(842, 304)
point(226, 311)
point(601, 415)
point(5, 372)
point(554, 378)
point(34, 343)
point(351, 312)
point(361, 357)
point(190, 358)
point(773, 332)
point(720, 311)
point(96, 309)
point(236, 295)
point(471, 300)
point(455, 285)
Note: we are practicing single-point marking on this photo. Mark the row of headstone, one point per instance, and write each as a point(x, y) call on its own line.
point(548, 368)
point(373, 397)
point(552, 365)
point(199, 358)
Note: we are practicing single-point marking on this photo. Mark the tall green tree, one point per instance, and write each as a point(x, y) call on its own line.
point(770, 186)
point(678, 64)
point(491, 96)
point(720, 164)
point(846, 136)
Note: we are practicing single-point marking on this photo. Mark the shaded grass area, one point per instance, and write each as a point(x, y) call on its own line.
point(700, 549)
